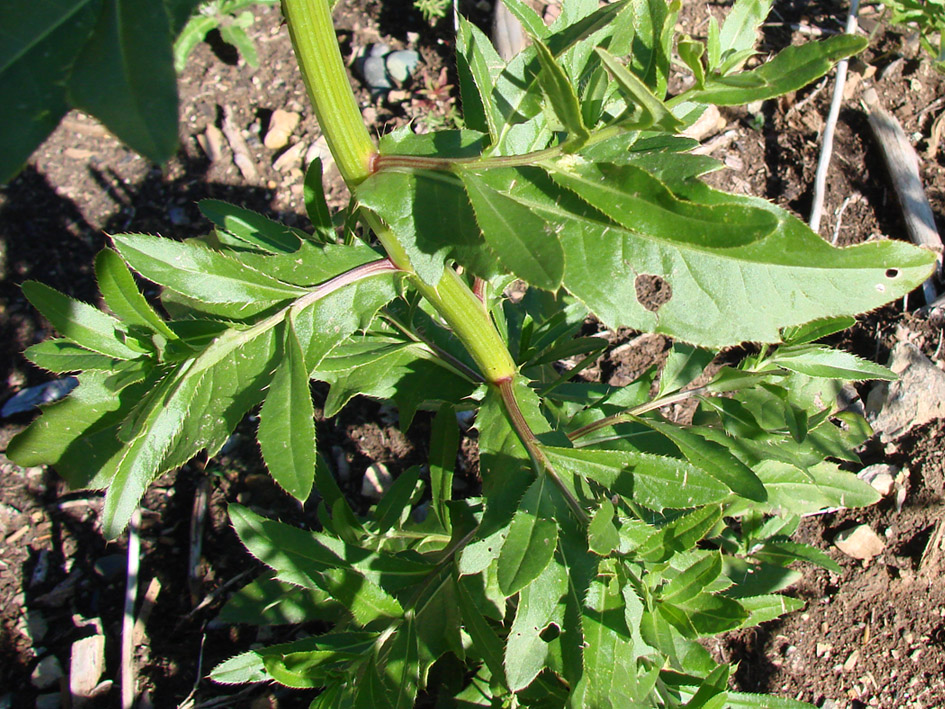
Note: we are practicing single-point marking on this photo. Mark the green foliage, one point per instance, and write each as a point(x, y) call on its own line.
point(432, 10)
point(230, 18)
point(607, 539)
point(926, 16)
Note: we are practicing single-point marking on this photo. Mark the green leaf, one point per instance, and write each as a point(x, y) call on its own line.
point(651, 111)
point(762, 609)
point(245, 668)
point(251, 227)
point(784, 553)
point(559, 92)
point(829, 363)
point(711, 614)
point(396, 501)
point(680, 535)
point(479, 66)
point(602, 536)
point(444, 445)
point(739, 700)
point(531, 541)
point(122, 296)
point(691, 51)
point(61, 356)
point(314, 196)
point(266, 601)
point(812, 331)
point(125, 77)
point(300, 559)
point(683, 364)
point(538, 608)
point(521, 240)
point(287, 422)
point(650, 480)
point(193, 34)
point(818, 487)
point(79, 322)
point(235, 35)
point(39, 42)
point(713, 458)
point(309, 662)
point(198, 272)
point(401, 670)
point(740, 29)
point(531, 21)
point(485, 640)
point(790, 70)
point(693, 580)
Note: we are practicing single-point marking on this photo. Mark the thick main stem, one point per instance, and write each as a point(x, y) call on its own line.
point(319, 58)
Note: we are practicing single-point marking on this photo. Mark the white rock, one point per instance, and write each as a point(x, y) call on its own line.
point(47, 673)
point(87, 665)
point(860, 542)
point(290, 158)
point(376, 481)
point(881, 476)
point(281, 125)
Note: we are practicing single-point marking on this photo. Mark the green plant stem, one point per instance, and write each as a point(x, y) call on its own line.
point(313, 37)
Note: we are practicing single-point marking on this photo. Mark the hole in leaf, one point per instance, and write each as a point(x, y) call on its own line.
point(550, 633)
point(892, 272)
point(653, 292)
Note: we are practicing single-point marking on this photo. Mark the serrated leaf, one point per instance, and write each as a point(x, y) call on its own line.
point(310, 661)
point(395, 503)
point(62, 356)
point(193, 34)
point(486, 642)
point(251, 227)
point(245, 668)
point(829, 363)
point(784, 553)
point(602, 536)
point(287, 422)
point(649, 480)
point(531, 541)
point(479, 66)
point(680, 535)
point(538, 607)
point(198, 272)
point(522, 241)
point(296, 557)
point(125, 77)
point(559, 92)
point(713, 458)
point(817, 488)
point(122, 296)
point(693, 580)
point(812, 331)
point(652, 112)
point(711, 614)
point(791, 69)
point(79, 322)
point(691, 51)
point(683, 364)
point(533, 24)
point(762, 609)
point(740, 700)
point(401, 670)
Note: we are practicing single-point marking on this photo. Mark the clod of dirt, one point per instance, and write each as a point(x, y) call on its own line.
point(894, 408)
point(281, 125)
point(653, 292)
point(860, 542)
point(376, 481)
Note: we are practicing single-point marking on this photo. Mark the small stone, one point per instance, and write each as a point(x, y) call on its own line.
point(377, 481)
point(881, 476)
point(87, 665)
point(36, 626)
point(281, 125)
point(291, 158)
point(851, 661)
point(917, 397)
point(111, 566)
point(823, 649)
point(859, 542)
point(47, 673)
point(401, 64)
point(374, 72)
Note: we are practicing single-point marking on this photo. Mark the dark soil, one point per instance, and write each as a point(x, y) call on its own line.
point(871, 636)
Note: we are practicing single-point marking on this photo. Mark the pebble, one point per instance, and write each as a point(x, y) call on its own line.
point(48, 701)
point(110, 566)
point(859, 542)
point(36, 626)
point(281, 125)
point(377, 480)
point(47, 673)
point(87, 665)
point(881, 476)
point(31, 397)
point(291, 158)
point(401, 64)
point(851, 661)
